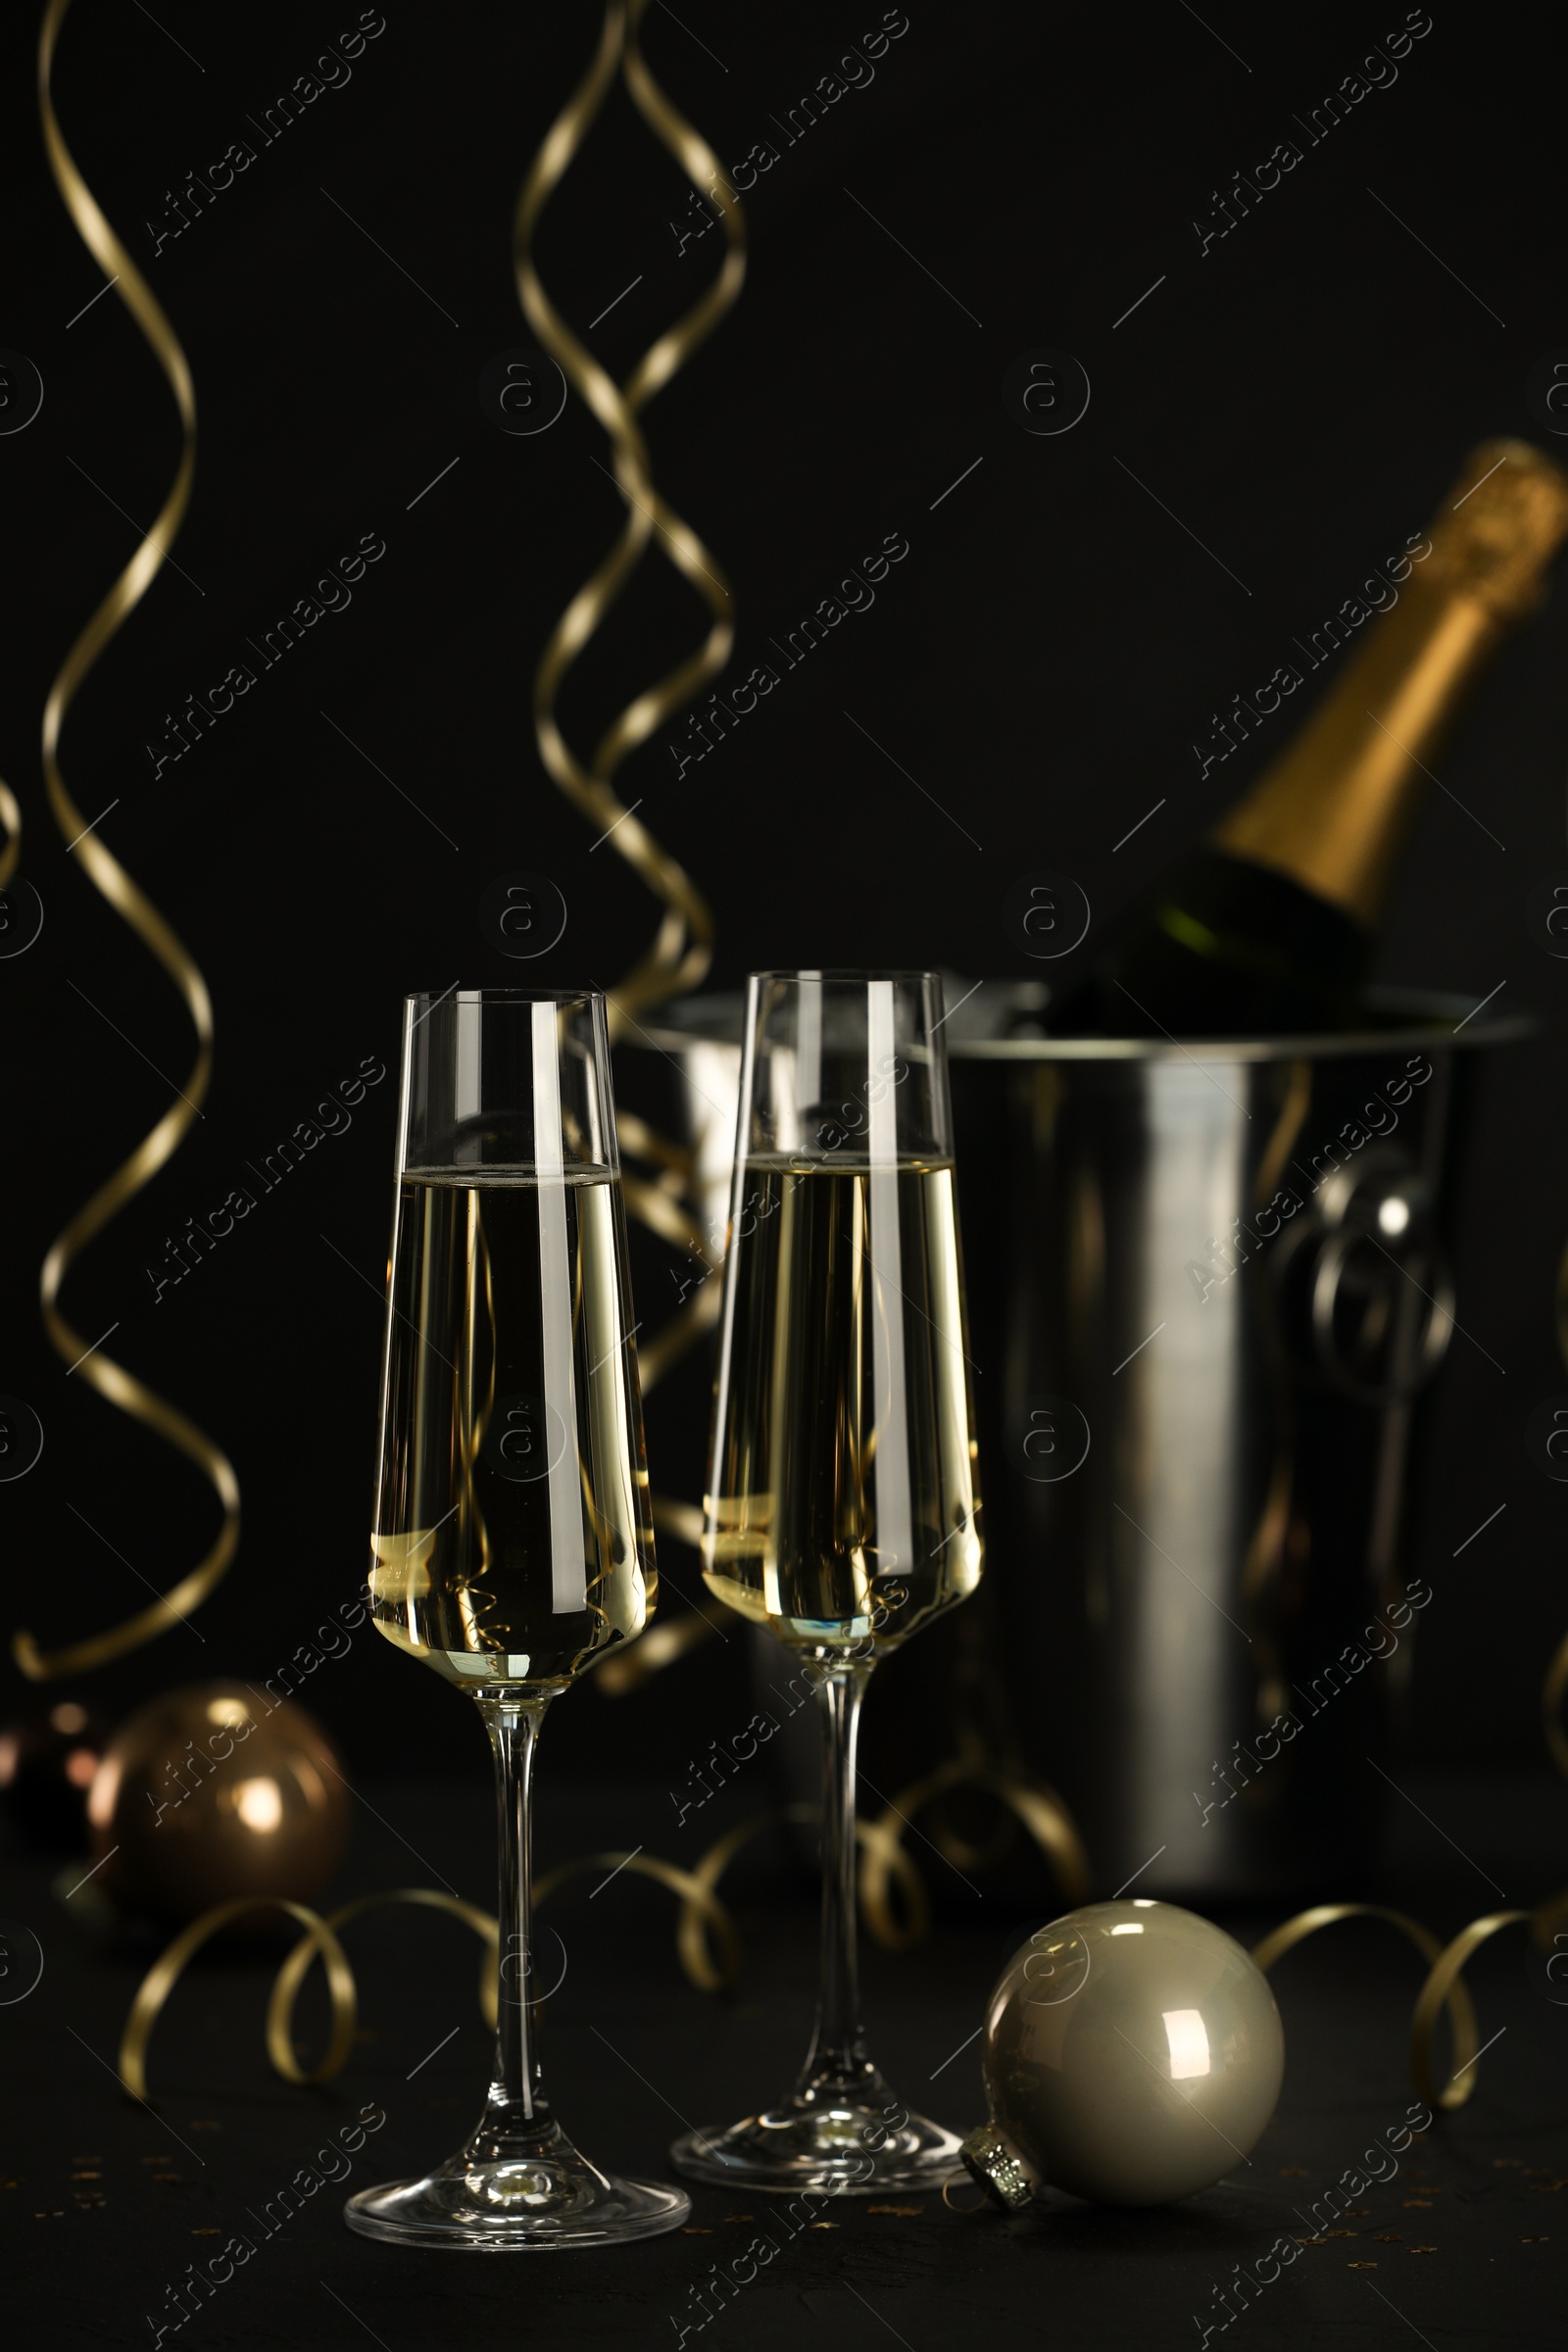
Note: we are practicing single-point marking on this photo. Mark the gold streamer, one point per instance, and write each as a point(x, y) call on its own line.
point(700, 1910)
point(682, 945)
point(296, 1968)
point(711, 1967)
point(1444, 1986)
point(700, 1915)
point(1039, 1808)
point(112, 1381)
point(159, 1982)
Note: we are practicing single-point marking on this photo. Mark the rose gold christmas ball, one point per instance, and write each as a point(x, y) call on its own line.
point(214, 1792)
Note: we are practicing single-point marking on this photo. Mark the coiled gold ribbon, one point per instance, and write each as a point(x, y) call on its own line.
point(1037, 1808)
point(682, 945)
point(112, 1381)
point(710, 1948)
point(1442, 1989)
point(700, 1915)
point(707, 1940)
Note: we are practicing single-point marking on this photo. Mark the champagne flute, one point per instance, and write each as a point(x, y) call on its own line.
point(512, 1542)
point(842, 1510)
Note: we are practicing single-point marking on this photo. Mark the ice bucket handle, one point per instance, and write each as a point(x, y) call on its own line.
point(1427, 1345)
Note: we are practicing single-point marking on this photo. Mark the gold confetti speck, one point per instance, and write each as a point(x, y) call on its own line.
point(695, 2230)
point(1358, 2213)
point(1361, 2265)
point(1505, 2163)
point(86, 2175)
point(1388, 2238)
point(821, 2225)
point(1341, 2234)
point(1423, 2249)
point(207, 2233)
point(903, 2211)
point(1423, 2203)
point(1311, 2241)
point(1535, 2241)
point(743, 2217)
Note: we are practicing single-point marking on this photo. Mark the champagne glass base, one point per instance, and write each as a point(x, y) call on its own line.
point(851, 2142)
point(531, 2202)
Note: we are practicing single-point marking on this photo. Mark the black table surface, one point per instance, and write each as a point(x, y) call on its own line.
point(108, 2203)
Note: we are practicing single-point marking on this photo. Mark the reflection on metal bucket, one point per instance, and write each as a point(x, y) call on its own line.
point(1207, 1286)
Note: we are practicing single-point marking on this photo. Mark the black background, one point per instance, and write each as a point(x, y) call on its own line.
point(1301, 396)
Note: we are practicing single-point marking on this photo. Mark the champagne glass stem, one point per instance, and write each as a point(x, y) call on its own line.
point(838, 2044)
point(517, 2108)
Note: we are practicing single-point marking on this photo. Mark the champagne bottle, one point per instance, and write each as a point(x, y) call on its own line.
point(1270, 927)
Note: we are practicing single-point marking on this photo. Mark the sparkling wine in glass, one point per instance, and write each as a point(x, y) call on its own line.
point(511, 1542)
point(842, 1510)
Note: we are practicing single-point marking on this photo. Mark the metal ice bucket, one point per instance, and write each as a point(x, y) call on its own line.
point(1207, 1287)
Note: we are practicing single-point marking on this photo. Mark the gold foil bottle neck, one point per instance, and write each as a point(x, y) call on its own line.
point(1333, 809)
point(1496, 536)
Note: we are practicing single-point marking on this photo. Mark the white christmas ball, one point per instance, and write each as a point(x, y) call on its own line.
point(1132, 2054)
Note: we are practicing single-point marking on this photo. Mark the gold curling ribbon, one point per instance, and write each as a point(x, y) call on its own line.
point(876, 1843)
point(159, 1983)
point(1461, 2015)
point(699, 1911)
point(682, 945)
point(1039, 1808)
point(319, 1938)
point(295, 1969)
point(112, 1381)
point(1442, 1988)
